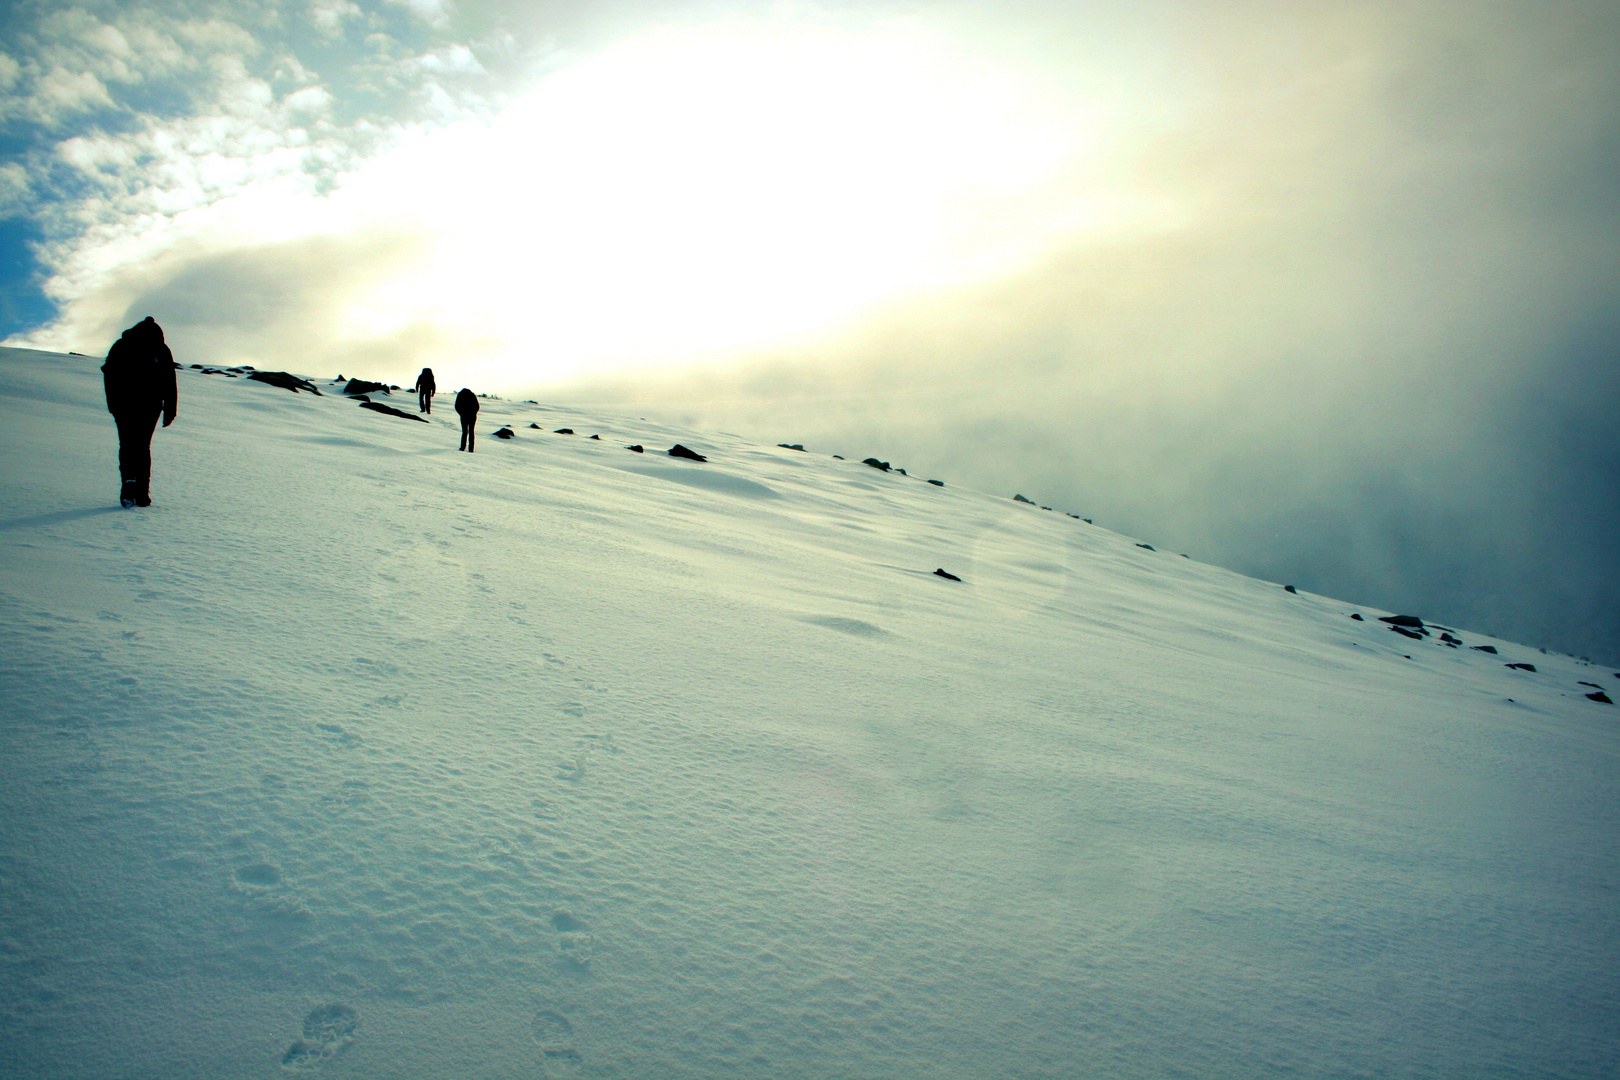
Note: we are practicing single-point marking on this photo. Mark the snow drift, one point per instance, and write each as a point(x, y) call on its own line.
point(356, 756)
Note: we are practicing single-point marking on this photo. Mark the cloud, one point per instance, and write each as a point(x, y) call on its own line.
point(14, 189)
point(329, 16)
point(433, 12)
point(73, 64)
point(311, 101)
point(201, 122)
point(453, 59)
point(59, 94)
point(636, 181)
point(234, 305)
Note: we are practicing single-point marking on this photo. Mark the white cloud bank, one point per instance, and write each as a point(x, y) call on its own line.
point(687, 193)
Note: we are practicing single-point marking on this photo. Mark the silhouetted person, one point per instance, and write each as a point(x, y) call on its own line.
point(467, 409)
point(425, 391)
point(139, 376)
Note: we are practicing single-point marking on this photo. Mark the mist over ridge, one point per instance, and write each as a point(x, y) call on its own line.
point(1445, 457)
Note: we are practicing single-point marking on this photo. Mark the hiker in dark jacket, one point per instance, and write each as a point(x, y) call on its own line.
point(139, 377)
point(425, 391)
point(467, 409)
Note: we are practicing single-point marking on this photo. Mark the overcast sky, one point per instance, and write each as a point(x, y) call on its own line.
point(1326, 292)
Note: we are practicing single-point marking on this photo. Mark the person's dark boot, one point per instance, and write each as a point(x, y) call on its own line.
point(144, 496)
point(127, 496)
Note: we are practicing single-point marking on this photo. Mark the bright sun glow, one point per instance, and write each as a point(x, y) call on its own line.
point(695, 192)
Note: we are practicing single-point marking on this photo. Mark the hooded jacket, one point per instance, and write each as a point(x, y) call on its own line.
point(139, 373)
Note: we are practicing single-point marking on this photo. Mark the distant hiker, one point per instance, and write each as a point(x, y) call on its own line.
point(425, 391)
point(467, 409)
point(139, 377)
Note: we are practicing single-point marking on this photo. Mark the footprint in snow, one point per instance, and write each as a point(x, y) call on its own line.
point(555, 1037)
point(262, 895)
point(339, 734)
point(574, 771)
point(328, 1031)
point(565, 922)
point(604, 742)
point(576, 945)
point(260, 875)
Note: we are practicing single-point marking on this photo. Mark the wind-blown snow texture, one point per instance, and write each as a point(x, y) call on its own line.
point(356, 756)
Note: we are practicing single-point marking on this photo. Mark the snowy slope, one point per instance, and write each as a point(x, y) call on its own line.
point(356, 756)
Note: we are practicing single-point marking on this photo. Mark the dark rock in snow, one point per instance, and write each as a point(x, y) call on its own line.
point(1048, 509)
point(638, 448)
point(937, 483)
point(947, 575)
point(197, 366)
point(391, 411)
point(506, 433)
point(1357, 617)
point(535, 426)
point(791, 446)
point(882, 466)
point(1404, 632)
point(1086, 520)
point(1402, 620)
point(902, 472)
point(285, 381)
point(360, 386)
point(1487, 648)
point(682, 452)
point(563, 431)
point(1290, 588)
point(1448, 639)
point(1522, 667)
point(1150, 547)
point(361, 398)
point(1593, 685)
point(839, 457)
point(1020, 498)
point(1600, 696)
point(597, 437)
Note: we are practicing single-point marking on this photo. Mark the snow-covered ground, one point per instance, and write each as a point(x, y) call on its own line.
point(357, 756)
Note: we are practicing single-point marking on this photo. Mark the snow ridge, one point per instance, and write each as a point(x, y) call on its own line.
point(355, 755)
